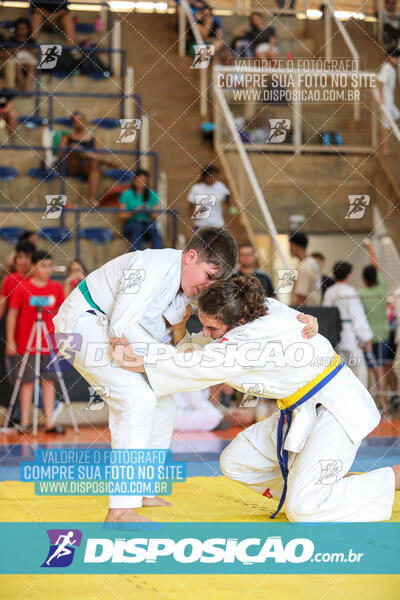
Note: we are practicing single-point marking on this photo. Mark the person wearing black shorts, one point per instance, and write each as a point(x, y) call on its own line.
point(54, 13)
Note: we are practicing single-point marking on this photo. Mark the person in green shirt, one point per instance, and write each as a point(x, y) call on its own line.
point(140, 226)
point(374, 300)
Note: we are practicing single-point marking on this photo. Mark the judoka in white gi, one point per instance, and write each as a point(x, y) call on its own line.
point(328, 412)
point(136, 294)
point(356, 333)
point(195, 412)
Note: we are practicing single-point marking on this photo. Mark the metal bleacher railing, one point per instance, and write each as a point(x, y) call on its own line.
point(272, 7)
point(94, 50)
point(130, 105)
point(75, 230)
point(124, 176)
point(291, 94)
point(326, 10)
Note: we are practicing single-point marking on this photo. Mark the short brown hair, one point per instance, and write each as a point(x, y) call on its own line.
point(238, 298)
point(217, 246)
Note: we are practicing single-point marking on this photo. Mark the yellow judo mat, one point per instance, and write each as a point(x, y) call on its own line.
point(207, 499)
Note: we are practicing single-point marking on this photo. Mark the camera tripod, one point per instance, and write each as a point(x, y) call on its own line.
point(38, 328)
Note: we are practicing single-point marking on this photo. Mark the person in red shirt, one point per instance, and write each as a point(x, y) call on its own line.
point(20, 320)
point(23, 267)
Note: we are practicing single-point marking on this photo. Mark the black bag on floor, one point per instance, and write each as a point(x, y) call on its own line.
point(91, 63)
point(66, 63)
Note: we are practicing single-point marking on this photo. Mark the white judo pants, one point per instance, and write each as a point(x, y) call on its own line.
point(312, 495)
point(137, 418)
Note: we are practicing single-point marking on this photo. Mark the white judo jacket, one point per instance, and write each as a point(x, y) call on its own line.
point(271, 356)
point(355, 326)
point(134, 291)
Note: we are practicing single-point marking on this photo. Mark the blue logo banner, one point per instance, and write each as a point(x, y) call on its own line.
point(200, 548)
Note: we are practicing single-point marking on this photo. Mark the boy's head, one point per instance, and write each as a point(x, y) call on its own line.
point(23, 257)
point(43, 264)
point(298, 244)
point(370, 276)
point(211, 254)
point(342, 270)
point(393, 57)
point(208, 174)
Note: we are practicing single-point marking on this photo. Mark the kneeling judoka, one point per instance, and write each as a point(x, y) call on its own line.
point(300, 455)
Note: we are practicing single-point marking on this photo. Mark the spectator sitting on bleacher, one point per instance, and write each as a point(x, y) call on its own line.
point(81, 161)
point(23, 266)
point(247, 40)
point(75, 273)
point(210, 28)
point(8, 114)
point(391, 24)
point(25, 59)
point(248, 266)
point(20, 320)
point(140, 226)
point(56, 14)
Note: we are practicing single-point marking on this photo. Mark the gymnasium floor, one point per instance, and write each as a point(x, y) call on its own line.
point(205, 496)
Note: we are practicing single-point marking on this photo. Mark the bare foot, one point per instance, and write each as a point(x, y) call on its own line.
point(396, 470)
point(156, 501)
point(125, 515)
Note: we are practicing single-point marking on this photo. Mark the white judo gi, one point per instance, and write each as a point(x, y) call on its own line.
point(326, 430)
point(355, 327)
point(134, 291)
point(195, 412)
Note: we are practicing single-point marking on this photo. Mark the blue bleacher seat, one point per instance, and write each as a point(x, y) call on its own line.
point(11, 234)
point(8, 173)
point(120, 175)
point(57, 235)
point(32, 122)
point(106, 123)
point(10, 25)
point(97, 235)
point(84, 27)
point(43, 174)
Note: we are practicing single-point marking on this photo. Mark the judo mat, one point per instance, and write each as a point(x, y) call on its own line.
point(206, 496)
point(209, 499)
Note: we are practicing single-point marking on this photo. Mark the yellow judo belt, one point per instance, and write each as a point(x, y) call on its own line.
point(288, 404)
